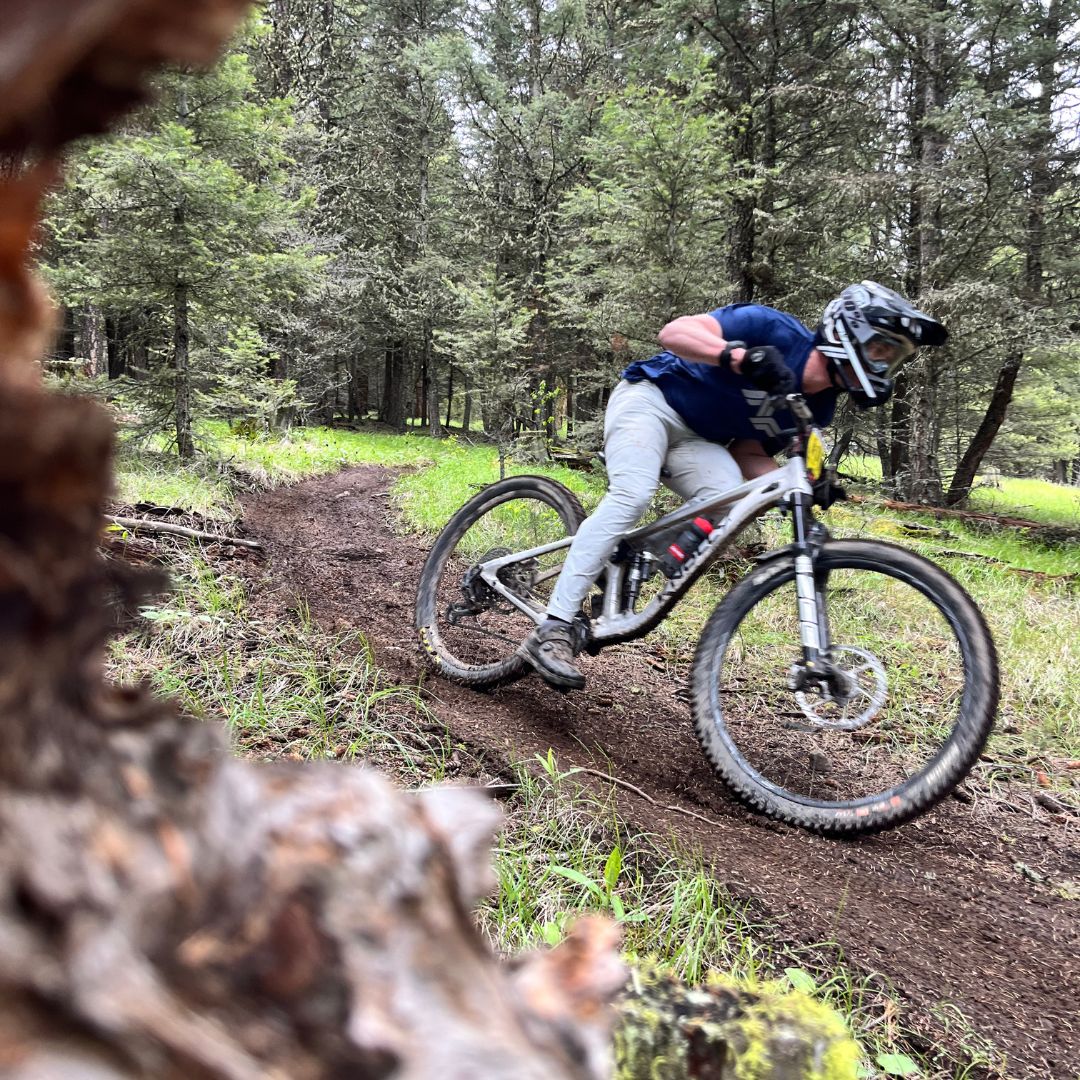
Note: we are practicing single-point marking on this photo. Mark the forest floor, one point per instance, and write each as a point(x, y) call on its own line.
point(969, 908)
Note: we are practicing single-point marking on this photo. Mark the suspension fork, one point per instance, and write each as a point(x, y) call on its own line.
point(810, 583)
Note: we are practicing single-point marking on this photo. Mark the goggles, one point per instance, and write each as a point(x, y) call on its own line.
point(884, 352)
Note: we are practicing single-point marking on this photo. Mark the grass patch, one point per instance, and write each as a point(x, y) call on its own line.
point(565, 853)
point(1035, 622)
point(280, 686)
point(146, 475)
point(1018, 497)
point(430, 497)
point(1037, 500)
point(229, 462)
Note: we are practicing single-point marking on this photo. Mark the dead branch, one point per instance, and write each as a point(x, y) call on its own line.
point(142, 525)
point(1039, 528)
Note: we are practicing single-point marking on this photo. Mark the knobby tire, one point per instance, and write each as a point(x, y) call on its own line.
point(442, 570)
point(879, 810)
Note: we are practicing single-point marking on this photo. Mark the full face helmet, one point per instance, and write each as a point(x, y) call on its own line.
point(866, 333)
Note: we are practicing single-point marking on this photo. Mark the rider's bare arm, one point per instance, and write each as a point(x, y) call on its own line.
point(750, 456)
point(697, 338)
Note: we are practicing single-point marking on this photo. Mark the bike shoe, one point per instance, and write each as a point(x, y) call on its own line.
point(550, 650)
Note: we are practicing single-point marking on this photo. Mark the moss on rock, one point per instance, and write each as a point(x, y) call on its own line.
point(727, 1030)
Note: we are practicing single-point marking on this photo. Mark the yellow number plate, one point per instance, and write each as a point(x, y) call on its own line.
point(815, 455)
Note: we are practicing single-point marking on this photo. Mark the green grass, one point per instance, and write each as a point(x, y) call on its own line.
point(565, 852)
point(281, 686)
point(1036, 500)
point(429, 498)
point(145, 475)
point(230, 462)
point(1018, 497)
point(1035, 621)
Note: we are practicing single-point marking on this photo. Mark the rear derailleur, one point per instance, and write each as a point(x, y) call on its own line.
point(478, 596)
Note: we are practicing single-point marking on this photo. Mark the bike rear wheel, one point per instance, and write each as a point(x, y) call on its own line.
point(468, 630)
point(909, 710)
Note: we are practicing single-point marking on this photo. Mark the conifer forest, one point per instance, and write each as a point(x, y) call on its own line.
point(469, 216)
point(295, 460)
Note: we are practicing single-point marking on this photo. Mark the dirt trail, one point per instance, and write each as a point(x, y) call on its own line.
point(959, 907)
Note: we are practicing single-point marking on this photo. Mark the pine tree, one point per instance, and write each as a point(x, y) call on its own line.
point(183, 222)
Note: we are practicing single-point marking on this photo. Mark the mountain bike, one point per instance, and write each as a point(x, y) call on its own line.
point(844, 686)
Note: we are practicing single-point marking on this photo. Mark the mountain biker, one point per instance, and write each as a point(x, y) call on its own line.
point(702, 410)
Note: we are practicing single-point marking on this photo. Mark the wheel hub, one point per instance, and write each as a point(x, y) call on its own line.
point(478, 596)
point(846, 694)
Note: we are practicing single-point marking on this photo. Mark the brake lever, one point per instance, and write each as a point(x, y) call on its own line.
point(794, 403)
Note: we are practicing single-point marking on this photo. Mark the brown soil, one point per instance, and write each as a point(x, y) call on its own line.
point(963, 906)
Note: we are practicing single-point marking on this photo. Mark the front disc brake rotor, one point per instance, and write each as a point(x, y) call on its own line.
point(863, 687)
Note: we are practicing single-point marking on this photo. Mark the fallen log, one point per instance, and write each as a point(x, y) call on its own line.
point(1054, 533)
point(667, 1031)
point(142, 525)
point(1038, 575)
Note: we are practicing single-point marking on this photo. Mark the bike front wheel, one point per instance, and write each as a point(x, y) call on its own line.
point(907, 710)
point(469, 630)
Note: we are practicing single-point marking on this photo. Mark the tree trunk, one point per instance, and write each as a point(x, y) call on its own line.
point(358, 388)
point(467, 407)
point(434, 417)
point(116, 328)
point(1042, 188)
point(65, 338)
point(986, 432)
point(899, 434)
point(395, 388)
point(91, 341)
point(742, 234)
point(921, 481)
point(185, 444)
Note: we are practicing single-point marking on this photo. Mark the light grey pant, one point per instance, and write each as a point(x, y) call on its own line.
point(642, 433)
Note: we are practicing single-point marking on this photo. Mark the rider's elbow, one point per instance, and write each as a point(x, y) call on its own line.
point(669, 333)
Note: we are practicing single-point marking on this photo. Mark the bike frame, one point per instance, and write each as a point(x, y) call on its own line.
point(788, 485)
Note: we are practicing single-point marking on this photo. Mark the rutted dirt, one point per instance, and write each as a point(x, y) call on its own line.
point(963, 906)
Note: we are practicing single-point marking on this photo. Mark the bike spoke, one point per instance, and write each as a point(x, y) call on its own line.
point(497, 624)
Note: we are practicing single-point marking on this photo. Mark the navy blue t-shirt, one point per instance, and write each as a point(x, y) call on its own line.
point(721, 405)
